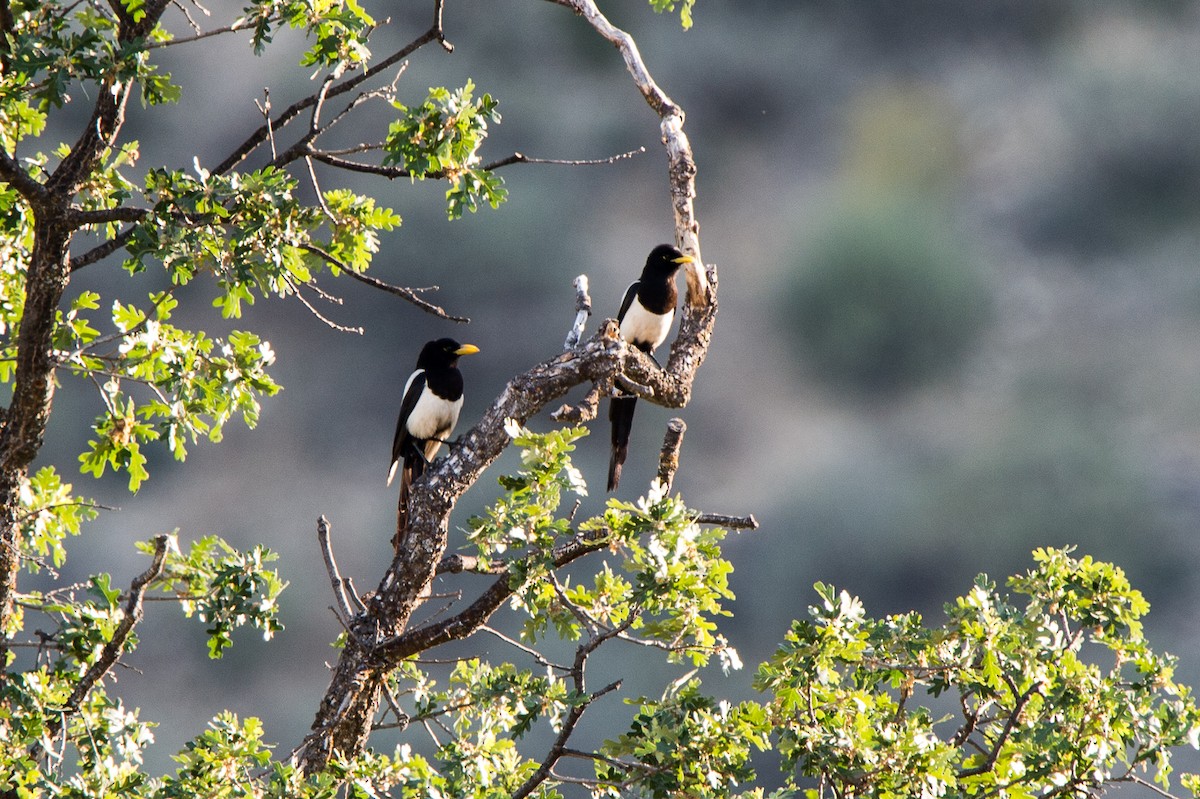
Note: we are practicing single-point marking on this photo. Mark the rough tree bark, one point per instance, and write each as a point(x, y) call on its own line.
point(379, 636)
point(47, 276)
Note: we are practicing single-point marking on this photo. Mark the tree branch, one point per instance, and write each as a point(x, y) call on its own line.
point(78, 219)
point(407, 294)
point(583, 309)
point(335, 576)
point(681, 166)
point(433, 34)
point(102, 251)
point(392, 172)
point(728, 522)
point(1009, 725)
point(12, 173)
point(668, 456)
point(473, 617)
point(342, 722)
point(112, 650)
point(559, 747)
point(6, 30)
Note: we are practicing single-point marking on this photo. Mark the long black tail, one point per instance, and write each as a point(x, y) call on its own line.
point(620, 413)
point(410, 469)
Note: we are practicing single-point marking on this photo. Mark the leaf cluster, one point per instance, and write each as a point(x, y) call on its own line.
point(193, 384)
point(441, 137)
point(669, 580)
point(51, 48)
point(1056, 694)
point(224, 588)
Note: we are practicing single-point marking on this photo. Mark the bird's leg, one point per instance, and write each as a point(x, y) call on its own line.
point(419, 451)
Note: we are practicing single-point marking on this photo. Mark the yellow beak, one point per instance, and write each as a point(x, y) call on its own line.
point(683, 259)
point(466, 349)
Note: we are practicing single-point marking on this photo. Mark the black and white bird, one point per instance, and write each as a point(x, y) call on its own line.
point(433, 397)
point(646, 314)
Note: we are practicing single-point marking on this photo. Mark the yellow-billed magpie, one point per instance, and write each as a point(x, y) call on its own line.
point(645, 316)
point(433, 397)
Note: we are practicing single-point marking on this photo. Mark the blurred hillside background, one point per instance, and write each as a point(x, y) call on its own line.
point(960, 312)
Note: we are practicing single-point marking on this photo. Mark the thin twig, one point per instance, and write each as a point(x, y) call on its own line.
point(322, 317)
point(1136, 780)
point(234, 28)
point(537, 656)
point(335, 576)
point(83, 503)
point(400, 291)
point(256, 138)
point(333, 158)
point(1013, 718)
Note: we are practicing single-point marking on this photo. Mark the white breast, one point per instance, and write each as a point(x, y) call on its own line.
point(433, 417)
point(642, 327)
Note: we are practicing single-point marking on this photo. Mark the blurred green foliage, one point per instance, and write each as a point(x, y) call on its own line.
point(1128, 176)
point(885, 299)
point(887, 294)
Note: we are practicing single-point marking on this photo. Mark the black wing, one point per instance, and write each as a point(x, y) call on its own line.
point(412, 392)
point(630, 295)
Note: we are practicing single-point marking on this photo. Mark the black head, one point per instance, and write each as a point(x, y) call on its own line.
point(664, 261)
point(443, 352)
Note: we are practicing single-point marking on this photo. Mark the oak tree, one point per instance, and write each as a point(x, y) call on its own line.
point(1046, 687)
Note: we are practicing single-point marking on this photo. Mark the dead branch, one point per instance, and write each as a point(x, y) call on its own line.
point(335, 576)
point(583, 309)
point(668, 457)
point(343, 720)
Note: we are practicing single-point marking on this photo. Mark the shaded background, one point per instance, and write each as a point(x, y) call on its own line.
point(960, 314)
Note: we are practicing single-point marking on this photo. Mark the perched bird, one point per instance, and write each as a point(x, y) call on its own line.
point(645, 316)
point(433, 396)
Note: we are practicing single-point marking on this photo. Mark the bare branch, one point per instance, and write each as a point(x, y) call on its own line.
point(668, 457)
point(343, 720)
point(331, 158)
point(102, 251)
point(586, 410)
point(728, 522)
point(434, 34)
point(335, 576)
point(679, 151)
point(537, 656)
point(238, 25)
point(457, 564)
point(329, 322)
point(404, 293)
point(583, 309)
point(1136, 780)
point(77, 218)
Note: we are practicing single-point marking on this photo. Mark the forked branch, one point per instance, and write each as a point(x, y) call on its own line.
point(342, 722)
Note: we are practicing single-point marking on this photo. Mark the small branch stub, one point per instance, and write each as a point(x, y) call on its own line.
point(668, 457)
point(583, 309)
